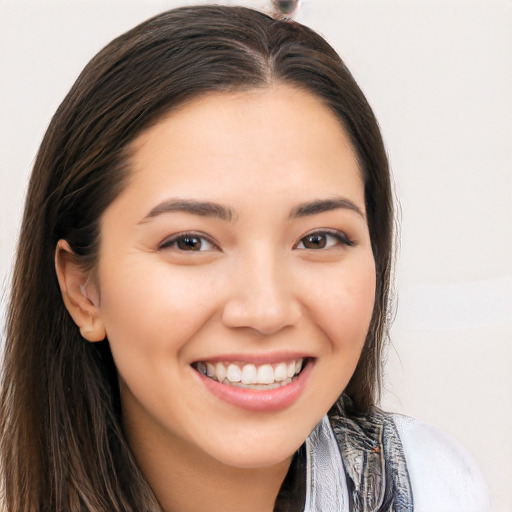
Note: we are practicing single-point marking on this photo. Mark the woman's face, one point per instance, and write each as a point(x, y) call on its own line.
point(239, 249)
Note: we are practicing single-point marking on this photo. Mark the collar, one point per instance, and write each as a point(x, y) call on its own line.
point(326, 484)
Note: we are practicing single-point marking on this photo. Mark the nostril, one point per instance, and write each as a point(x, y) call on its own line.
point(264, 317)
point(262, 298)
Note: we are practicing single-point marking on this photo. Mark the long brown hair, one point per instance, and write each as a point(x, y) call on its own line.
point(62, 447)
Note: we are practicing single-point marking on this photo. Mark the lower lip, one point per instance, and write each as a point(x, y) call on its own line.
point(260, 400)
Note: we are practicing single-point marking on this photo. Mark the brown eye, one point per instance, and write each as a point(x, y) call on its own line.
point(188, 242)
point(315, 241)
point(323, 240)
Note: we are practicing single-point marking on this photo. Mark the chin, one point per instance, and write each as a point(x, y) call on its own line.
point(257, 452)
point(261, 460)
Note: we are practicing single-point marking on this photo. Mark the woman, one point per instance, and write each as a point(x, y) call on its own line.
point(200, 297)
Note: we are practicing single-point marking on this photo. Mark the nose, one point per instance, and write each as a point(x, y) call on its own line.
point(262, 298)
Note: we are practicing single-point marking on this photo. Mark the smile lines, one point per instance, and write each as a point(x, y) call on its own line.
point(251, 376)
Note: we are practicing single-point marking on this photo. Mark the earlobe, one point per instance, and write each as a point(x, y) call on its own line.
point(79, 296)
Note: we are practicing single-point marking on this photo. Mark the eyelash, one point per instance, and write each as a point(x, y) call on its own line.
point(174, 240)
point(339, 236)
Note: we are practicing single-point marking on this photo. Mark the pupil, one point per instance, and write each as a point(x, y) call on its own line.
point(315, 242)
point(189, 243)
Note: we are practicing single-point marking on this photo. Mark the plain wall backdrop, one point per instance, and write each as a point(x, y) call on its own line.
point(439, 77)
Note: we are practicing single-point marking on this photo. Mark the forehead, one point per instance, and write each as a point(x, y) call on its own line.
point(280, 136)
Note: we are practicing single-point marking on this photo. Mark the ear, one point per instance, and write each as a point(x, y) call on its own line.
point(80, 296)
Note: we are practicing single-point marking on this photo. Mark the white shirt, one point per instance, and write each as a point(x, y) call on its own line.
point(444, 478)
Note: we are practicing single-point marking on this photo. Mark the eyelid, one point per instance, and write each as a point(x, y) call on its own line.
point(168, 242)
point(335, 233)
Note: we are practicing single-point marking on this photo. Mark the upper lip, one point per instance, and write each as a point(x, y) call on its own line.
point(255, 358)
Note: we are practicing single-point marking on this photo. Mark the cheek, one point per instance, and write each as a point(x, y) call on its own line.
point(340, 302)
point(345, 307)
point(154, 307)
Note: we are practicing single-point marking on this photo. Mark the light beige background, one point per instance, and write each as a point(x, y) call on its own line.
point(439, 77)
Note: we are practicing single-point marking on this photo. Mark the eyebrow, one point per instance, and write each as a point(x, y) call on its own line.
point(210, 209)
point(194, 207)
point(325, 205)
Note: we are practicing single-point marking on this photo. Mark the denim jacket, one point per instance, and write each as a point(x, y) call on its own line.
point(377, 477)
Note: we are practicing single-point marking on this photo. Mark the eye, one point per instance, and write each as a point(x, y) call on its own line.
point(188, 242)
point(323, 240)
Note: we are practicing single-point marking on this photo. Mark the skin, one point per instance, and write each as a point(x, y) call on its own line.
point(256, 288)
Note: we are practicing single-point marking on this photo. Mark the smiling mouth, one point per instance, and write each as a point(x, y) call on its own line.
point(252, 376)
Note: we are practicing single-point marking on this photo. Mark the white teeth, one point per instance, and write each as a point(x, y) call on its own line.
point(249, 374)
point(234, 374)
point(210, 370)
point(274, 385)
point(265, 374)
point(280, 372)
point(220, 371)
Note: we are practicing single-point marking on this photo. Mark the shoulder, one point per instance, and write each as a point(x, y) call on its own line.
point(443, 475)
